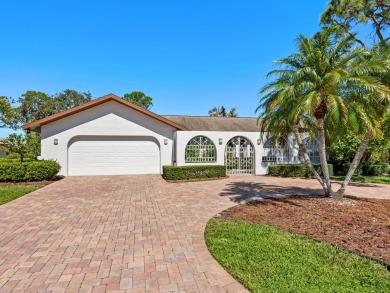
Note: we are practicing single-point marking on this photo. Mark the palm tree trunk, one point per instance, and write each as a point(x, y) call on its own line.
point(306, 157)
point(339, 195)
point(323, 159)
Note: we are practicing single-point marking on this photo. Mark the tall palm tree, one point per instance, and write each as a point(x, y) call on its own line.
point(369, 113)
point(313, 87)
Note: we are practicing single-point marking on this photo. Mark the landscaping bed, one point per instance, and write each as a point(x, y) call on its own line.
point(359, 225)
point(267, 259)
point(25, 183)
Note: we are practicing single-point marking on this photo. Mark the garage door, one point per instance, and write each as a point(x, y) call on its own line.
point(114, 156)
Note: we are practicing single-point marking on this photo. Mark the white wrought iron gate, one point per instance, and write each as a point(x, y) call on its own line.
point(239, 160)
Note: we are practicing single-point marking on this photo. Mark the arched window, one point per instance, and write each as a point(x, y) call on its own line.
point(200, 149)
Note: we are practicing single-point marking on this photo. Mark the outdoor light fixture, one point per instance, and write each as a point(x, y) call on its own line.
point(165, 141)
point(55, 141)
point(258, 141)
point(220, 141)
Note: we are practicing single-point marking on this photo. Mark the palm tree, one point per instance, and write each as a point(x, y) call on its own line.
point(369, 113)
point(315, 87)
point(221, 112)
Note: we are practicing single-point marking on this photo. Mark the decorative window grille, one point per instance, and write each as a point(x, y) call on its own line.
point(276, 153)
point(200, 149)
point(313, 150)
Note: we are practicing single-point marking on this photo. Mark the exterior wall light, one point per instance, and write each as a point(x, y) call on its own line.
point(56, 141)
point(220, 141)
point(165, 141)
point(258, 141)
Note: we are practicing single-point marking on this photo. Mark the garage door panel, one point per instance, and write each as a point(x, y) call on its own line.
point(114, 156)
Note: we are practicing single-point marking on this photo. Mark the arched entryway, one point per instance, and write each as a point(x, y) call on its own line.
point(239, 156)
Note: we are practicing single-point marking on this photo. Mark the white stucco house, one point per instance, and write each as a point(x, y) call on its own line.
point(110, 136)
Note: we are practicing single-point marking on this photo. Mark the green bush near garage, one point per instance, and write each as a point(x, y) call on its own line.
point(11, 171)
point(296, 170)
point(193, 172)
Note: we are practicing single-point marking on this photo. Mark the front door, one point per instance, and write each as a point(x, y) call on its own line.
point(239, 157)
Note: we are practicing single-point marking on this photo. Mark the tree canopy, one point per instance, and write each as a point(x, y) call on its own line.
point(221, 112)
point(6, 112)
point(139, 99)
point(35, 105)
point(346, 14)
point(70, 98)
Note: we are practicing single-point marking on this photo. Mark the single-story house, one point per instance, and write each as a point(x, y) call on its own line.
point(110, 136)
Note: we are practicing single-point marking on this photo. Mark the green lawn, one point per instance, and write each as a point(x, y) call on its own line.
point(366, 179)
point(265, 259)
point(11, 192)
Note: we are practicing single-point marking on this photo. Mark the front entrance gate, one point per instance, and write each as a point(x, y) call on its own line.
point(239, 157)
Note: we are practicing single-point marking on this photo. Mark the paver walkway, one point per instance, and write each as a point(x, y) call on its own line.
point(125, 233)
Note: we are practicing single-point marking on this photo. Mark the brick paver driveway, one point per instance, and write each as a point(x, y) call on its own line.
point(125, 233)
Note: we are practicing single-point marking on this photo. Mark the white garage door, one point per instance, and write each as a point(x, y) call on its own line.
point(114, 156)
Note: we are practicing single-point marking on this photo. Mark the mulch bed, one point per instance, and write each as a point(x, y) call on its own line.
point(359, 225)
point(43, 182)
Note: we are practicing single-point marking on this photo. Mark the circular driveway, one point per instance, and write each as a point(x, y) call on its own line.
point(127, 233)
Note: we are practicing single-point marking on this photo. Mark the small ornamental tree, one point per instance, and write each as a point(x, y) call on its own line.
point(16, 143)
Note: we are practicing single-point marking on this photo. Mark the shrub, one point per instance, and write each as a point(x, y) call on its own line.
point(375, 170)
point(13, 156)
point(16, 160)
point(16, 157)
point(386, 167)
point(365, 166)
point(11, 171)
point(193, 172)
point(357, 172)
point(296, 170)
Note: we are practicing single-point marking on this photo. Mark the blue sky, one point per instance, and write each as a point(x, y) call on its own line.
point(189, 56)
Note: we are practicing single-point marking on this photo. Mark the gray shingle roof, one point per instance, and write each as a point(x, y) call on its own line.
point(206, 123)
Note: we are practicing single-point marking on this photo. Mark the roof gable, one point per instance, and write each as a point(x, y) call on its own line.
point(96, 102)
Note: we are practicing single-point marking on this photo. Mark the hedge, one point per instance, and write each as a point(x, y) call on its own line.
point(193, 172)
point(375, 170)
point(358, 171)
point(28, 171)
point(296, 170)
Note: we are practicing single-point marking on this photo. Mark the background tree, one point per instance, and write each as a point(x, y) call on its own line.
point(70, 98)
point(221, 112)
point(139, 99)
point(346, 14)
point(6, 112)
point(34, 105)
